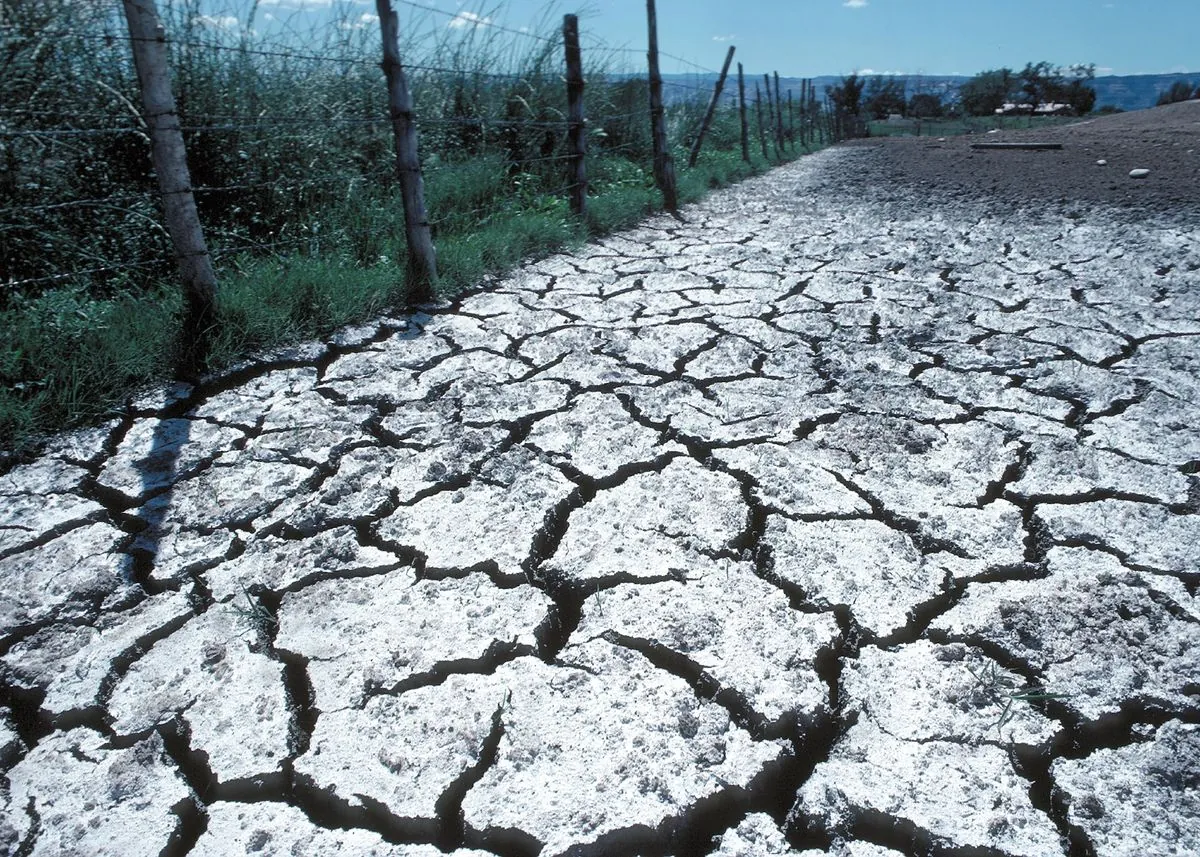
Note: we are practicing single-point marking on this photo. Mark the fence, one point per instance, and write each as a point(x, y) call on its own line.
point(290, 137)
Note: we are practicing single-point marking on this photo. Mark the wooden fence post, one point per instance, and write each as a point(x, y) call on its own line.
point(762, 135)
point(742, 110)
point(421, 273)
point(771, 116)
point(664, 166)
point(809, 119)
point(576, 128)
point(778, 115)
point(148, 40)
point(791, 121)
point(815, 113)
point(804, 112)
point(712, 108)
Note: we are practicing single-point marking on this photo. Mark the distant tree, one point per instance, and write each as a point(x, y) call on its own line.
point(847, 104)
point(884, 96)
point(1080, 96)
point(1072, 85)
point(1109, 109)
point(1181, 90)
point(847, 95)
point(987, 92)
point(926, 105)
point(1036, 83)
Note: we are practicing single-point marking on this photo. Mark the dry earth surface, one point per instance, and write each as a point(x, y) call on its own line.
point(840, 518)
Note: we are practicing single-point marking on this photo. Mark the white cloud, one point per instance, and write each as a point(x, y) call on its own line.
point(468, 19)
point(302, 5)
point(728, 38)
point(366, 19)
point(217, 22)
point(855, 4)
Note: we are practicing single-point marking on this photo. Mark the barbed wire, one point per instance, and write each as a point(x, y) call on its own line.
point(470, 19)
point(86, 272)
point(76, 203)
point(595, 42)
point(259, 245)
point(541, 67)
point(704, 69)
point(674, 85)
point(259, 123)
point(109, 38)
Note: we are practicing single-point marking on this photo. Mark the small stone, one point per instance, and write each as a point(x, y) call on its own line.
point(1102, 163)
point(1138, 174)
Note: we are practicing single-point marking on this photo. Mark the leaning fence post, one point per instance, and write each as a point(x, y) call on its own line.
point(762, 135)
point(576, 129)
point(712, 108)
point(791, 121)
point(421, 272)
point(742, 111)
point(664, 166)
point(148, 40)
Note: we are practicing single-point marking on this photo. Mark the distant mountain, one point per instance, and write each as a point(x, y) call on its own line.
point(1136, 91)
point(1128, 92)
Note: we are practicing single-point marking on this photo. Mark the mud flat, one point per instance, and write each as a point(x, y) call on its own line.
point(839, 518)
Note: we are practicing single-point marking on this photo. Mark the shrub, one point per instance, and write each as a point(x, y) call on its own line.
point(1181, 90)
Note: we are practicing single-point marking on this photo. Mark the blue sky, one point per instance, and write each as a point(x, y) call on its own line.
point(813, 37)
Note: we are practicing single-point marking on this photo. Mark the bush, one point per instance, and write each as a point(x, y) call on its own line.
point(1181, 90)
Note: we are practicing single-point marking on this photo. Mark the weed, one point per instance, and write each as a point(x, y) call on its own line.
point(292, 148)
point(255, 614)
point(1006, 689)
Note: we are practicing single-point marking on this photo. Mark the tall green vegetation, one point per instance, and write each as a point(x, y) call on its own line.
point(292, 163)
point(926, 105)
point(847, 94)
point(1181, 90)
point(884, 96)
point(1035, 85)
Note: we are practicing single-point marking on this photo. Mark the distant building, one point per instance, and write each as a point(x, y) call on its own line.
point(1050, 109)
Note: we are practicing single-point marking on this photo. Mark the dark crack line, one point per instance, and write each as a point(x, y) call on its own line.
point(498, 653)
point(704, 685)
point(923, 542)
point(449, 806)
point(26, 846)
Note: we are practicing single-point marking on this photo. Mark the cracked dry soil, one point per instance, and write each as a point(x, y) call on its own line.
point(824, 522)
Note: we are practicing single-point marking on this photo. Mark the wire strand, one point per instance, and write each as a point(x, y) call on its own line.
point(471, 20)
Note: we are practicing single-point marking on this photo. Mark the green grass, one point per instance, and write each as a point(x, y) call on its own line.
point(69, 359)
point(291, 152)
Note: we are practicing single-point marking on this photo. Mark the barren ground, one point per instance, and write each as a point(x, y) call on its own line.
point(841, 518)
point(1165, 140)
